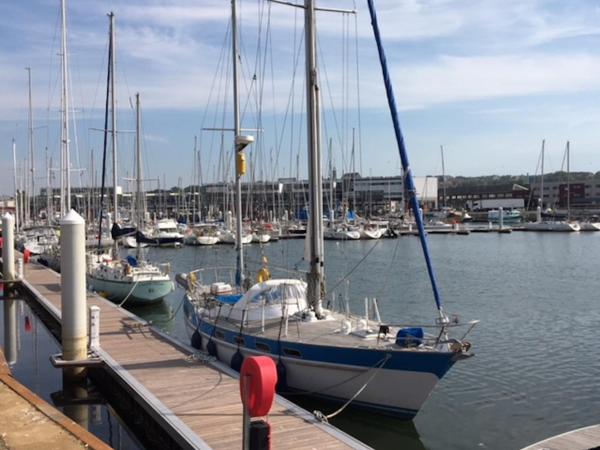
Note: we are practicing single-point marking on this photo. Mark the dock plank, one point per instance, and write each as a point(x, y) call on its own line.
point(205, 399)
point(587, 438)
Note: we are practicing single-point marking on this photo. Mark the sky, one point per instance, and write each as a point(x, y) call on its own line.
point(488, 80)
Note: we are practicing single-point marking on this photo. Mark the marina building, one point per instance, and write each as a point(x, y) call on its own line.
point(366, 195)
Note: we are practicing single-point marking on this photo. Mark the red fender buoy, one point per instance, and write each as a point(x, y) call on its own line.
point(26, 256)
point(1, 242)
point(261, 375)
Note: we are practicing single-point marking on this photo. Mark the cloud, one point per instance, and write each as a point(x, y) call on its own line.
point(456, 79)
point(177, 15)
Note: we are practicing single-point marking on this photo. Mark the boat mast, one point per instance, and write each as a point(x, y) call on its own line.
point(198, 162)
point(65, 178)
point(542, 179)
point(409, 183)
point(138, 176)
point(194, 168)
point(17, 202)
point(240, 143)
point(48, 191)
point(353, 173)
point(331, 199)
point(315, 275)
point(32, 163)
point(568, 183)
point(113, 113)
point(443, 177)
point(236, 132)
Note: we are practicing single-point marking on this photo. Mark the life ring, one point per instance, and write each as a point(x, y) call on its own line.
point(259, 375)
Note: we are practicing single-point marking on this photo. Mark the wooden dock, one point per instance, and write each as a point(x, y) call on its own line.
point(587, 438)
point(193, 397)
point(28, 422)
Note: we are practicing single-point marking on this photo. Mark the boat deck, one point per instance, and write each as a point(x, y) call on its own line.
point(321, 332)
point(197, 398)
point(586, 438)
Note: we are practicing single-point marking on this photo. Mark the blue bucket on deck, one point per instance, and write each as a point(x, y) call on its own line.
point(409, 337)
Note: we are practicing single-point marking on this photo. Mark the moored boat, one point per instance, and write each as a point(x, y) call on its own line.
point(358, 360)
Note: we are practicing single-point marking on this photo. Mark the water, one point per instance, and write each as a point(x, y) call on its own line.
point(27, 350)
point(535, 370)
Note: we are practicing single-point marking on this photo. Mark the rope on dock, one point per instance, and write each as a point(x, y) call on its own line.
point(203, 358)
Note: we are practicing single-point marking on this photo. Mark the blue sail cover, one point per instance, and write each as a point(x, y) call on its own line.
point(229, 299)
point(131, 261)
point(351, 216)
point(302, 214)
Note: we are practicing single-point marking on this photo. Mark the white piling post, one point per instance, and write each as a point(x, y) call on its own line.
point(8, 246)
point(73, 289)
point(94, 327)
point(20, 268)
point(501, 217)
point(538, 217)
point(367, 309)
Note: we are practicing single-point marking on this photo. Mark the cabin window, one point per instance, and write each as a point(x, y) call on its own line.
point(220, 334)
point(239, 340)
point(263, 347)
point(292, 352)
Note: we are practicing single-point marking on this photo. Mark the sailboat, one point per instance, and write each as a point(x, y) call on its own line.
point(131, 279)
point(553, 225)
point(357, 360)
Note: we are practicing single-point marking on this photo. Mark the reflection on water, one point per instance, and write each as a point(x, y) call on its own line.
point(534, 373)
point(10, 331)
point(160, 314)
point(27, 345)
point(378, 431)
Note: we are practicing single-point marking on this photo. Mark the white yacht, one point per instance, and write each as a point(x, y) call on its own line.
point(166, 234)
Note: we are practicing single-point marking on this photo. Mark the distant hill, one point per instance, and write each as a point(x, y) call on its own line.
point(493, 180)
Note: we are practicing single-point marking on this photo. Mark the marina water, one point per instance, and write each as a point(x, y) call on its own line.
point(534, 373)
point(30, 348)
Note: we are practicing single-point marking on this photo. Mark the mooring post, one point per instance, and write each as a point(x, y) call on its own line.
point(94, 327)
point(73, 291)
point(8, 246)
point(20, 268)
point(501, 217)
